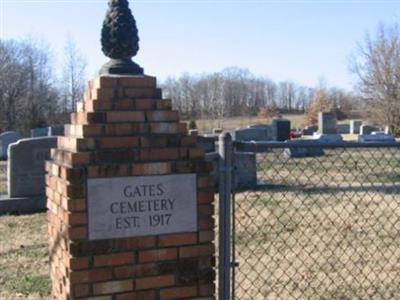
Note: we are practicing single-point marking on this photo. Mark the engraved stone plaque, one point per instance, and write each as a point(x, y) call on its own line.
point(142, 205)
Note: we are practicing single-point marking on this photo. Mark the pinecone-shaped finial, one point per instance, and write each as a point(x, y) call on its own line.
point(120, 40)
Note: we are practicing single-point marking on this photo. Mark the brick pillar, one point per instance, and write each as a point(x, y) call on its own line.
point(125, 130)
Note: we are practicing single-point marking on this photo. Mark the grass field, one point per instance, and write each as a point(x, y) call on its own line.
point(205, 126)
point(325, 228)
point(329, 229)
point(24, 257)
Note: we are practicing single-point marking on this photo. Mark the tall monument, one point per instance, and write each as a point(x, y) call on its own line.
point(130, 196)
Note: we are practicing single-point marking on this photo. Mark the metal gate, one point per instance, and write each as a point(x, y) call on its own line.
point(320, 222)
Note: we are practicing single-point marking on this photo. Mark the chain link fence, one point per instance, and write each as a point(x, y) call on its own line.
point(319, 227)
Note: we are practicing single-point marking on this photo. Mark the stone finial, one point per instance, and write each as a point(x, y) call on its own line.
point(120, 40)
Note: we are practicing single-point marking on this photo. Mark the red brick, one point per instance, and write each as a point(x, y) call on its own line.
point(188, 141)
point(97, 106)
point(206, 210)
point(195, 251)
point(207, 290)
point(152, 168)
point(104, 82)
point(77, 219)
point(205, 181)
point(118, 142)
point(177, 239)
point(164, 154)
point(137, 82)
point(103, 93)
point(77, 233)
point(196, 153)
point(75, 205)
point(114, 259)
point(90, 276)
point(145, 104)
point(143, 92)
point(125, 116)
point(206, 223)
point(78, 263)
point(136, 271)
point(157, 255)
point(124, 104)
point(111, 287)
point(178, 292)
point(145, 295)
point(205, 197)
point(206, 236)
point(154, 282)
point(109, 171)
point(81, 290)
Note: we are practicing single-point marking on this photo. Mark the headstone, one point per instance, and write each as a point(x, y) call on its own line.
point(355, 126)
point(245, 170)
point(206, 143)
point(56, 130)
point(40, 132)
point(377, 138)
point(328, 138)
point(217, 130)
point(251, 134)
point(7, 138)
point(244, 166)
point(367, 129)
point(327, 123)
point(26, 166)
point(296, 151)
point(310, 130)
point(193, 132)
point(343, 128)
point(281, 130)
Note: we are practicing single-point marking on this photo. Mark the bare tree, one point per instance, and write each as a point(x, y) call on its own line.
point(28, 97)
point(73, 79)
point(377, 67)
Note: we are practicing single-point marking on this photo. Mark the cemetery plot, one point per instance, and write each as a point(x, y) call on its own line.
point(322, 228)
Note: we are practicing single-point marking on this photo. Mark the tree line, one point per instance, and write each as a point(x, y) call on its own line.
point(31, 93)
point(236, 92)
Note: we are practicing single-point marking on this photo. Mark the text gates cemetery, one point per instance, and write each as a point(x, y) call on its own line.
point(139, 206)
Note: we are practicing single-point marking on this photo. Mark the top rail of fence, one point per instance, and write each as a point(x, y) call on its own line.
point(260, 147)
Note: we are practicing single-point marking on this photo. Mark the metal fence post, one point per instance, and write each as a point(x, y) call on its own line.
point(225, 150)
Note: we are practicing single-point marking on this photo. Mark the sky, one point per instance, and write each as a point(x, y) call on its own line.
point(303, 41)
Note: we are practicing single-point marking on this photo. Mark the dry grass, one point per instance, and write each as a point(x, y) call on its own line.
point(205, 126)
point(335, 237)
point(3, 177)
point(24, 271)
point(340, 243)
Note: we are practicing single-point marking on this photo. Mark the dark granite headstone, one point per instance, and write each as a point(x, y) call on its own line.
point(280, 130)
point(327, 123)
point(355, 126)
point(7, 138)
